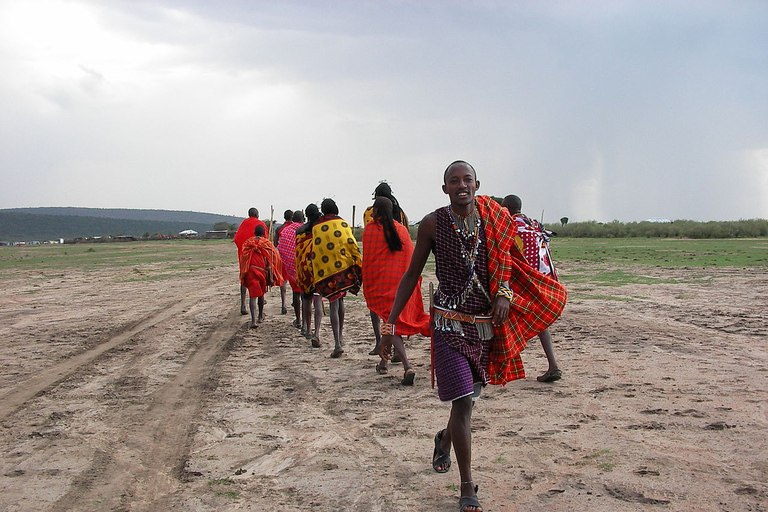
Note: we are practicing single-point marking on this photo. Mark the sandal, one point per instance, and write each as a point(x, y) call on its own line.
point(408, 377)
point(441, 460)
point(315, 341)
point(466, 502)
point(337, 352)
point(550, 376)
point(381, 369)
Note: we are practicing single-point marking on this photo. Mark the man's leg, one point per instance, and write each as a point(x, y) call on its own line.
point(341, 320)
point(408, 373)
point(242, 300)
point(296, 303)
point(334, 314)
point(553, 372)
point(376, 323)
point(261, 308)
point(460, 435)
point(317, 301)
point(252, 306)
point(283, 286)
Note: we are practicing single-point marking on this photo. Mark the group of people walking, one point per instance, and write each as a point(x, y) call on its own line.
point(491, 298)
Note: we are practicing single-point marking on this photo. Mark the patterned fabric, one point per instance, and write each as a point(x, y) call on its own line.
point(382, 271)
point(454, 374)
point(245, 231)
point(465, 344)
point(286, 246)
point(539, 299)
point(259, 254)
point(304, 275)
point(533, 239)
point(335, 258)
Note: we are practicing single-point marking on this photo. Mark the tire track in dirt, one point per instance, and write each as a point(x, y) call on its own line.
point(23, 392)
point(145, 463)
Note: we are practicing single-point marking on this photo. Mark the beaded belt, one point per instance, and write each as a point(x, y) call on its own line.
point(461, 317)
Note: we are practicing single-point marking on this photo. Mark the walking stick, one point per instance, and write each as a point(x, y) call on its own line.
point(432, 333)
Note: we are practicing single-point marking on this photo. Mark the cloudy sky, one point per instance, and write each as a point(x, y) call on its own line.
point(594, 110)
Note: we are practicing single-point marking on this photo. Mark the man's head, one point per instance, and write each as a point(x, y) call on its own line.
point(512, 203)
point(460, 183)
point(328, 207)
point(382, 189)
point(298, 216)
point(382, 208)
point(253, 212)
point(313, 213)
point(288, 215)
point(259, 230)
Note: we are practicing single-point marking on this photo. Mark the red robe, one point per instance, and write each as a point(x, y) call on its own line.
point(258, 254)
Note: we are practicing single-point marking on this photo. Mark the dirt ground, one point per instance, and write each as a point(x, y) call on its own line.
point(126, 393)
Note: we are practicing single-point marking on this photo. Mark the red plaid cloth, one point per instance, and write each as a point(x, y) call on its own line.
point(539, 300)
point(257, 254)
point(286, 246)
point(382, 271)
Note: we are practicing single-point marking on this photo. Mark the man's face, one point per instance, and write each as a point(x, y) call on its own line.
point(460, 184)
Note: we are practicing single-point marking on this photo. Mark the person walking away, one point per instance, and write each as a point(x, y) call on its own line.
point(387, 250)
point(260, 268)
point(243, 233)
point(533, 240)
point(335, 266)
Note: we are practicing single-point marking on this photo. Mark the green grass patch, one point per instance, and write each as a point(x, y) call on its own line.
point(175, 255)
point(614, 278)
point(664, 252)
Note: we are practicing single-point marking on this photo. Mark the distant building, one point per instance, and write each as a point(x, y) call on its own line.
point(188, 233)
point(659, 220)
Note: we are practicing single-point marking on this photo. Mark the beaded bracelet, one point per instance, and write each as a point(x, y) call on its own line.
point(387, 329)
point(506, 293)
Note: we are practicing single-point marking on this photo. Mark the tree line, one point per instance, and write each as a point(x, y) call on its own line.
point(749, 228)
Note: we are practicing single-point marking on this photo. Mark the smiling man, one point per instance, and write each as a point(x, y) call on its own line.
point(480, 324)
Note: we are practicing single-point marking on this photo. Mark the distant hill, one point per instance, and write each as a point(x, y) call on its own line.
point(52, 223)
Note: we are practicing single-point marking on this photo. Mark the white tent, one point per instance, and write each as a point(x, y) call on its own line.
point(188, 232)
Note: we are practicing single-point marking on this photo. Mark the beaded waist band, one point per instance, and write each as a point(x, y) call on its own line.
point(461, 317)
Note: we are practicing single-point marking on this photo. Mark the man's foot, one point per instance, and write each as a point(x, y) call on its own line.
point(441, 459)
point(337, 352)
point(374, 352)
point(243, 311)
point(295, 324)
point(260, 319)
point(550, 376)
point(469, 503)
point(315, 341)
point(253, 326)
point(395, 358)
point(408, 377)
point(283, 310)
point(381, 369)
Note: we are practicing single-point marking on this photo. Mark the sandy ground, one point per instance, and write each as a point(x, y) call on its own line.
point(123, 392)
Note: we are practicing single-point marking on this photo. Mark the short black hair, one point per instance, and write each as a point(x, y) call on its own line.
point(259, 230)
point(329, 207)
point(253, 212)
point(288, 214)
point(459, 162)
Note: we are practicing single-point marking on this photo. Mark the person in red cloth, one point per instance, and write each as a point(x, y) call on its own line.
point(488, 303)
point(286, 246)
point(244, 232)
point(260, 268)
point(387, 250)
point(287, 221)
point(533, 240)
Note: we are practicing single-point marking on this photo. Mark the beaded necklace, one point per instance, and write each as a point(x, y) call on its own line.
point(468, 230)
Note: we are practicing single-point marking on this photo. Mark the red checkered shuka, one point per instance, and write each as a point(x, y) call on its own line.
point(538, 302)
point(382, 271)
